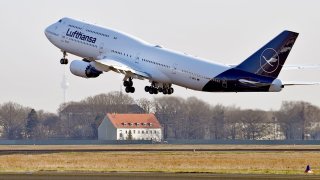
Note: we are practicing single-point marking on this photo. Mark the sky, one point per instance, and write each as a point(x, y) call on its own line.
point(225, 31)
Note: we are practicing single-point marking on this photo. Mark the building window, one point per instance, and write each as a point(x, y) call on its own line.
point(134, 131)
point(138, 132)
point(142, 132)
point(146, 132)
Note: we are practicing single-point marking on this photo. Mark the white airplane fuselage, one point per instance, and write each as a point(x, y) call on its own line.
point(160, 65)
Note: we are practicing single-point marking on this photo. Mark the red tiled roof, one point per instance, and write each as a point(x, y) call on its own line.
point(134, 120)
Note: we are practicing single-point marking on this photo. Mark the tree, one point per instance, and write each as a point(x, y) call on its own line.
point(13, 119)
point(170, 111)
point(254, 124)
point(112, 98)
point(31, 126)
point(145, 104)
point(50, 126)
point(217, 122)
point(232, 126)
point(198, 118)
point(295, 118)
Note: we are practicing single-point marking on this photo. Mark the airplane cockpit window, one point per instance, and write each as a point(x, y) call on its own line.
point(60, 21)
point(158, 46)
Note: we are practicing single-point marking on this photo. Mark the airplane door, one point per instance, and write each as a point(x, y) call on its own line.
point(63, 33)
point(101, 48)
point(224, 83)
point(174, 68)
point(137, 58)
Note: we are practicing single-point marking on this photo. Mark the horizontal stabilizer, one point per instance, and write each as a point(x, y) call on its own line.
point(295, 83)
point(294, 67)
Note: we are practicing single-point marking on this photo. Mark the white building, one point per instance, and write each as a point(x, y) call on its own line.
point(120, 126)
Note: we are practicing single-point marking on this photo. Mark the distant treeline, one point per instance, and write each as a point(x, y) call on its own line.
point(189, 118)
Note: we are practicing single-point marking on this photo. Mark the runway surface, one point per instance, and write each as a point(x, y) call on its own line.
point(150, 176)
point(14, 149)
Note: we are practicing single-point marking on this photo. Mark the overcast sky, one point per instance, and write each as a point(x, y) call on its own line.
point(224, 31)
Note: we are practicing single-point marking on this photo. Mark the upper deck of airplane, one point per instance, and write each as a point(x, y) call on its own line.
point(101, 31)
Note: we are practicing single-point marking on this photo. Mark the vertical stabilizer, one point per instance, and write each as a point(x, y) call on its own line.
point(269, 59)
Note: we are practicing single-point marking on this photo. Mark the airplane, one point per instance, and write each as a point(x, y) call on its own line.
point(104, 49)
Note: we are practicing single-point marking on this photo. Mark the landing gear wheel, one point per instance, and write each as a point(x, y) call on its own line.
point(147, 88)
point(126, 83)
point(128, 89)
point(155, 91)
point(63, 61)
point(132, 89)
point(129, 86)
point(170, 91)
point(165, 91)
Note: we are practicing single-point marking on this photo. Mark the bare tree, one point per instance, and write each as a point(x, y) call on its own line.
point(13, 120)
point(295, 118)
point(170, 112)
point(217, 125)
point(232, 123)
point(146, 105)
point(48, 125)
point(254, 123)
point(197, 119)
point(112, 98)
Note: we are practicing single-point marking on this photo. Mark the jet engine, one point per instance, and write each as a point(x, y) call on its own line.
point(276, 86)
point(84, 69)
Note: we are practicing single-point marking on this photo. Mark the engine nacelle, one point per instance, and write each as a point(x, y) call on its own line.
point(276, 86)
point(84, 69)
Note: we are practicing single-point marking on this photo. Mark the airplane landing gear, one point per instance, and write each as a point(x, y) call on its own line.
point(129, 85)
point(64, 60)
point(155, 89)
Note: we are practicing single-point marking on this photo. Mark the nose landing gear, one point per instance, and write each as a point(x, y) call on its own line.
point(64, 60)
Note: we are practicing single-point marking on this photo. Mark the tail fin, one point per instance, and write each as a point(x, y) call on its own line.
point(269, 59)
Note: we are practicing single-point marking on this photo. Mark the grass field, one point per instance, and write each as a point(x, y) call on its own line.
point(278, 162)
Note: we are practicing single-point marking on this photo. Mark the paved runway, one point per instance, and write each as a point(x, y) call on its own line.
point(40, 151)
point(149, 176)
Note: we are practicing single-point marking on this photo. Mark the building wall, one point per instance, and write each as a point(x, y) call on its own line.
point(140, 133)
point(106, 130)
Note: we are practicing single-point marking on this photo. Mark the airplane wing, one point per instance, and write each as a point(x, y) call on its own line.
point(294, 83)
point(120, 67)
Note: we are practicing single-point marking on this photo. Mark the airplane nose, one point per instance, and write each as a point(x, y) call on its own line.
point(46, 32)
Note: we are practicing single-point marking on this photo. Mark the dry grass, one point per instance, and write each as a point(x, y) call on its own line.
point(213, 162)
